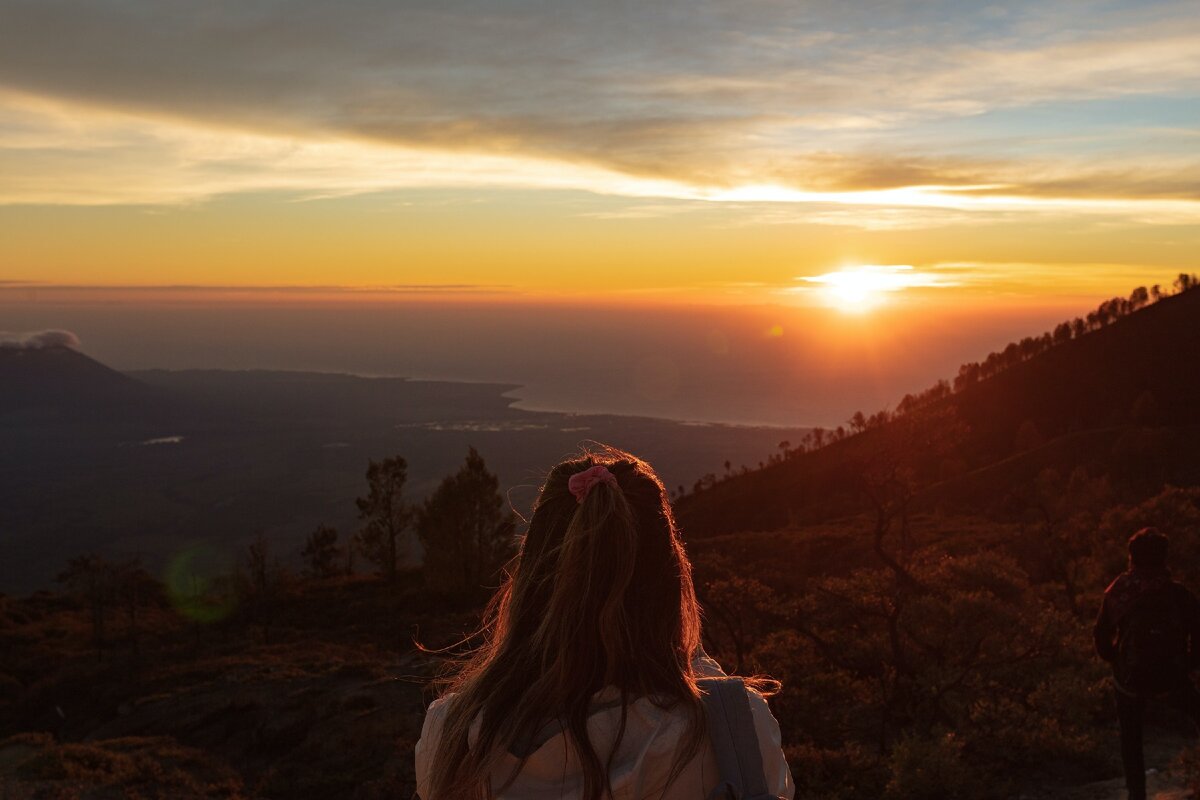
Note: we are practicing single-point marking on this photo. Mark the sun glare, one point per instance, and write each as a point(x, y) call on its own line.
point(859, 289)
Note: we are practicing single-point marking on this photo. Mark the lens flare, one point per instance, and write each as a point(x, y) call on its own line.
point(198, 583)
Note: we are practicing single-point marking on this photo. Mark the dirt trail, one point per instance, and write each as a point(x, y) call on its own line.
point(1164, 778)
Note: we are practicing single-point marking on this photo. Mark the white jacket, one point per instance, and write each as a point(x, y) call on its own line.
point(643, 762)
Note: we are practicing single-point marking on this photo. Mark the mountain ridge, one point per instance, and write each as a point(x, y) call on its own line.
point(1120, 386)
point(58, 379)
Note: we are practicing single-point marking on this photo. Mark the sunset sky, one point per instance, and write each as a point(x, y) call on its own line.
point(717, 150)
point(750, 211)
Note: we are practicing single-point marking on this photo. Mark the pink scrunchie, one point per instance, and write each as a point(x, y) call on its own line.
point(582, 482)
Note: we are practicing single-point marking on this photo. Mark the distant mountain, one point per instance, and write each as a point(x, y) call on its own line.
point(1122, 401)
point(56, 381)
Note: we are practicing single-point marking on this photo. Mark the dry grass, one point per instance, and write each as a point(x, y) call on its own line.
point(134, 768)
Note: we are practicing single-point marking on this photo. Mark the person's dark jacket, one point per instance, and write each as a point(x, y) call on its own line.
point(1119, 596)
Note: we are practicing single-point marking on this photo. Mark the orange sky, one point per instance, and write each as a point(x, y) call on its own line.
point(493, 244)
point(724, 155)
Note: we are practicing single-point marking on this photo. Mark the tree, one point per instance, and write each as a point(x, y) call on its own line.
point(106, 588)
point(818, 436)
point(968, 375)
point(466, 535)
point(384, 513)
point(741, 609)
point(257, 561)
point(321, 551)
point(134, 588)
point(261, 587)
point(92, 580)
point(1139, 297)
point(918, 665)
point(1063, 513)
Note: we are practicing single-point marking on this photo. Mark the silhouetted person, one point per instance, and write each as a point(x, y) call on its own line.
point(1149, 630)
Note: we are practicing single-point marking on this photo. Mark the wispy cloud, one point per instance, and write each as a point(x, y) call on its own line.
point(27, 291)
point(86, 155)
point(37, 340)
point(880, 278)
point(164, 102)
point(103, 157)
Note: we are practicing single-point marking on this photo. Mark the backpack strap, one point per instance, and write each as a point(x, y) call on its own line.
point(731, 729)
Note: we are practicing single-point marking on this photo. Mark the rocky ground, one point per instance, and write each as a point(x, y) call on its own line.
point(277, 724)
point(325, 702)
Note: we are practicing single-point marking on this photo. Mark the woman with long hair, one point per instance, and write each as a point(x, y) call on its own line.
point(586, 683)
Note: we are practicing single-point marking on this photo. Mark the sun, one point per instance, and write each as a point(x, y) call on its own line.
point(856, 290)
point(853, 292)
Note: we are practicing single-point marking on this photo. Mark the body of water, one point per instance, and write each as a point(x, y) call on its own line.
point(770, 365)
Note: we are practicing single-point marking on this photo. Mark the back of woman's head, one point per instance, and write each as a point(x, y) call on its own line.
point(600, 595)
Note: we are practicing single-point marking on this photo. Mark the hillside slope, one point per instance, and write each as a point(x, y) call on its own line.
point(1121, 399)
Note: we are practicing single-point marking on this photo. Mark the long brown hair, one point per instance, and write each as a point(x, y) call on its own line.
point(600, 595)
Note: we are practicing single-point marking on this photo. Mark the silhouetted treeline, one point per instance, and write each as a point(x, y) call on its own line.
point(1105, 314)
point(464, 531)
point(968, 375)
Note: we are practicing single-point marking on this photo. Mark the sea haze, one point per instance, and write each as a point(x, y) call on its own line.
point(773, 365)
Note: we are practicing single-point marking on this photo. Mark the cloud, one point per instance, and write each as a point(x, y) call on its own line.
point(38, 340)
point(87, 156)
point(150, 101)
point(251, 294)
